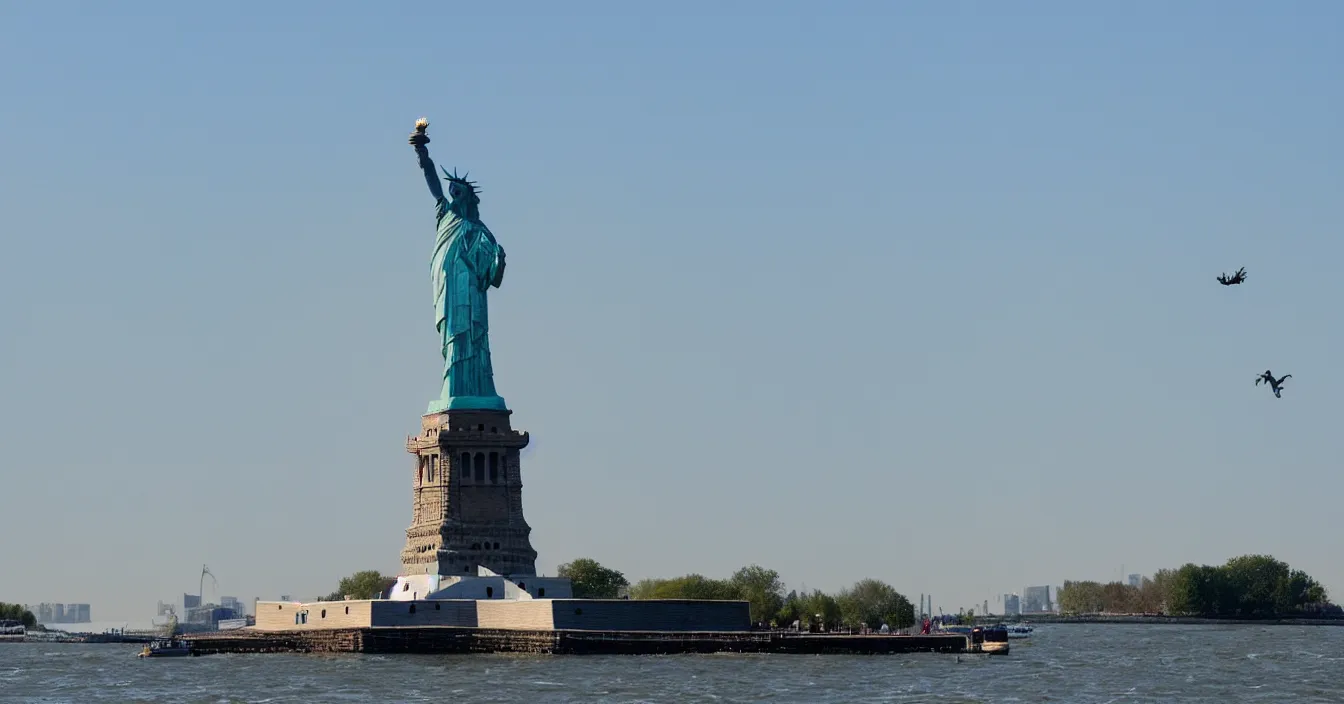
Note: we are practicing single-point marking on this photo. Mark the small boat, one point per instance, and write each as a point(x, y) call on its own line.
point(992, 640)
point(167, 648)
point(12, 630)
point(1020, 630)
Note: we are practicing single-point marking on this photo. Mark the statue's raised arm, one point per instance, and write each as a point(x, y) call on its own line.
point(467, 261)
point(418, 140)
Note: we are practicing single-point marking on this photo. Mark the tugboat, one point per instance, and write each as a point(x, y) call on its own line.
point(168, 645)
point(993, 640)
point(12, 630)
point(167, 648)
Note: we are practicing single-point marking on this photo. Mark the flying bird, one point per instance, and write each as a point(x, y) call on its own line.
point(1274, 384)
point(1235, 278)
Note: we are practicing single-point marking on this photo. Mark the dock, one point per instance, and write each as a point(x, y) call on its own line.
point(461, 640)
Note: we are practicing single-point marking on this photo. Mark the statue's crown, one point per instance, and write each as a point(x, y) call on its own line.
point(460, 180)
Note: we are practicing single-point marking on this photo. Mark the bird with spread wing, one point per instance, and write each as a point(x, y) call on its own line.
point(1276, 385)
point(1235, 278)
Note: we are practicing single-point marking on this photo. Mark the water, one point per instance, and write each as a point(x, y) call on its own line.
point(1108, 664)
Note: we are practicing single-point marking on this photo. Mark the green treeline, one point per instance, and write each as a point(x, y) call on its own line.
point(869, 602)
point(18, 612)
point(365, 584)
point(1246, 586)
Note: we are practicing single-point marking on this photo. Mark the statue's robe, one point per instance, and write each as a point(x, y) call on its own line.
point(467, 261)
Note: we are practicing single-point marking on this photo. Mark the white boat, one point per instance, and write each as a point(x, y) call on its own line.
point(167, 648)
point(1019, 630)
point(12, 630)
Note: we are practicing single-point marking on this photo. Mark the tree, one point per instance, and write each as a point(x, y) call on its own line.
point(1201, 590)
point(1253, 580)
point(691, 586)
point(646, 588)
point(820, 607)
point(1082, 598)
point(367, 584)
point(1157, 591)
point(790, 610)
point(1246, 586)
point(18, 612)
point(873, 602)
point(761, 588)
point(1296, 592)
point(590, 580)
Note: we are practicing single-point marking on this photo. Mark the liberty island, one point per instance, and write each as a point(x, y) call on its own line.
point(468, 579)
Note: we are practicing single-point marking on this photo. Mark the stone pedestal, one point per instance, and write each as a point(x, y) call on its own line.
point(468, 497)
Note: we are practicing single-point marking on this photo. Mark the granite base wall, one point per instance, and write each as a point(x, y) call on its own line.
point(651, 615)
point(475, 640)
point(529, 614)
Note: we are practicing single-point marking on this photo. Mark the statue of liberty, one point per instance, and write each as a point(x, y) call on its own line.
point(467, 261)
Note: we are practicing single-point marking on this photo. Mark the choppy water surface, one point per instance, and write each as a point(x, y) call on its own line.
point(1064, 663)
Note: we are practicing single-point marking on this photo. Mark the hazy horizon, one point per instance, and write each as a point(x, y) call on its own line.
point(922, 292)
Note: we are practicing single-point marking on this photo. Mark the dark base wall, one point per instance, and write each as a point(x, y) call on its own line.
point(651, 615)
point(501, 614)
point(444, 640)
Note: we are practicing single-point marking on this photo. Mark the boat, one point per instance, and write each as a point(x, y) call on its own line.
point(12, 630)
point(1020, 630)
point(167, 648)
point(993, 640)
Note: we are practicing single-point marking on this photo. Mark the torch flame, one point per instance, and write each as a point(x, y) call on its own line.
point(422, 123)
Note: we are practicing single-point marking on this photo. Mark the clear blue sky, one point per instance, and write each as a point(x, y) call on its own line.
point(917, 291)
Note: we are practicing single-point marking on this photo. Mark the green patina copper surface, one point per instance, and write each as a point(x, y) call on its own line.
point(466, 262)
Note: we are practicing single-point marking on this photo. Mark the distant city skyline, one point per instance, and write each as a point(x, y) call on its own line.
point(842, 290)
point(57, 613)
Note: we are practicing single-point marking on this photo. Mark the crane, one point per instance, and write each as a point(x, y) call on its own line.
point(201, 588)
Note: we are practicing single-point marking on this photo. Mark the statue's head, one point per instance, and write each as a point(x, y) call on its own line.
point(459, 188)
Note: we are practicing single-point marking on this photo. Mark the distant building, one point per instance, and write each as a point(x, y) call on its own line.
point(190, 601)
point(1036, 600)
point(233, 624)
point(62, 613)
point(1136, 580)
point(210, 615)
point(1012, 605)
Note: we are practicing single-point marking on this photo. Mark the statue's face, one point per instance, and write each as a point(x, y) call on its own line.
point(456, 190)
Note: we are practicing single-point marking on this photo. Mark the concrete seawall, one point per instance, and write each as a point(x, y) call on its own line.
point(675, 615)
point(447, 639)
point(1181, 620)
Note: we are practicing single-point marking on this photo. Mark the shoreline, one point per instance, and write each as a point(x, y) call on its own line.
point(1179, 620)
